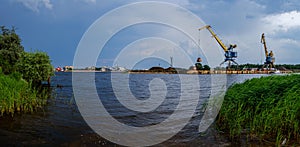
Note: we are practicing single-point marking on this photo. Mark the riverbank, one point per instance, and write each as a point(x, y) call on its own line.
point(265, 109)
point(17, 95)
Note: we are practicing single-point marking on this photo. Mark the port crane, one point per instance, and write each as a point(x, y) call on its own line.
point(270, 59)
point(230, 55)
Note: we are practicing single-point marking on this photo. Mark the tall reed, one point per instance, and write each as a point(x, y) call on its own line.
point(266, 108)
point(17, 95)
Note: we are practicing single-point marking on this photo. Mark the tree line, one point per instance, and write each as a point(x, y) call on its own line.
point(259, 66)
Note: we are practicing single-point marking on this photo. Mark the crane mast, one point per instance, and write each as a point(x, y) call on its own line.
point(230, 55)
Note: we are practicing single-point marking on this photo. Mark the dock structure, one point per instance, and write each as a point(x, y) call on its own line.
point(237, 72)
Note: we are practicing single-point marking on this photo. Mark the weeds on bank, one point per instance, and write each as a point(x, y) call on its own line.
point(267, 108)
point(17, 95)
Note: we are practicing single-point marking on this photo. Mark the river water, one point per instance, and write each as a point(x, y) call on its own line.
point(60, 122)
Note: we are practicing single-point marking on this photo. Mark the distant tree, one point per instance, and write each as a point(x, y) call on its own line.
point(35, 66)
point(10, 49)
point(198, 66)
point(206, 67)
point(289, 66)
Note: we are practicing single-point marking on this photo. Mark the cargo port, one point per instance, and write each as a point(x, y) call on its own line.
point(230, 55)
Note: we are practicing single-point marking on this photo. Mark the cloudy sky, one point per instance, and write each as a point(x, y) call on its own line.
point(57, 27)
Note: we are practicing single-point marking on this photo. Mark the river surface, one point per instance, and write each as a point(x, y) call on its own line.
point(61, 123)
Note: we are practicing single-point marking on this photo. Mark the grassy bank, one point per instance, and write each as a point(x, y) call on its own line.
point(17, 95)
point(266, 108)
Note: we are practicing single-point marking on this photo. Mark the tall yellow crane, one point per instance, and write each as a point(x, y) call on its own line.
point(230, 55)
point(270, 59)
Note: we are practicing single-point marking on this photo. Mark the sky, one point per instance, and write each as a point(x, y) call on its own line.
point(57, 27)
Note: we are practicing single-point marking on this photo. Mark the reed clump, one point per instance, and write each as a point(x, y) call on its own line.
point(17, 95)
point(266, 108)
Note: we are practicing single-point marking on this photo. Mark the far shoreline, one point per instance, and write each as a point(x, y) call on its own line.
point(85, 70)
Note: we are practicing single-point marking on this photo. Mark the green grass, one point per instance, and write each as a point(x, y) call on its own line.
point(266, 108)
point(17, 95)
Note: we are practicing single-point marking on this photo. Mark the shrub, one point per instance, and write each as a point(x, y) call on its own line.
point(35, 66)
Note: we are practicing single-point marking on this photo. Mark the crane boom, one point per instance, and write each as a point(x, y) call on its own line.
point(263, 41)
point(208, 27)
point(230, 55)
